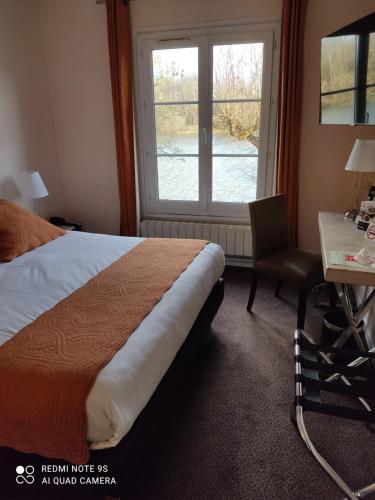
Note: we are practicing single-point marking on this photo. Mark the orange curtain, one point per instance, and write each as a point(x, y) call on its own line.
point(290, 107)
point(120, 54)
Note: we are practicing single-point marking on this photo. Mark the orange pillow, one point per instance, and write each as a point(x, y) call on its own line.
point(21, 231)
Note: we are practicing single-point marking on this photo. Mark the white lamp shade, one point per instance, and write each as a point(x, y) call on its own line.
point(362, 157)
point(32, 185)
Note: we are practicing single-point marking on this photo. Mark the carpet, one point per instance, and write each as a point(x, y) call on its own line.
point(232, 438)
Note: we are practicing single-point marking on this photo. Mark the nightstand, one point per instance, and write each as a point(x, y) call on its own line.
point(66, 227)
point(64, 224)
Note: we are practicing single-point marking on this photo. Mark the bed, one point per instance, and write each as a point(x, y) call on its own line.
point(37, 280)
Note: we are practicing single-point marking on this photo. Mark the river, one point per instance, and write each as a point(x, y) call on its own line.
point(233, 178)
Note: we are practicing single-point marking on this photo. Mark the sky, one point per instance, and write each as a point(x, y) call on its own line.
point(187, 58)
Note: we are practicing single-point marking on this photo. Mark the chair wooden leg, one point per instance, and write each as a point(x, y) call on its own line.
point(253, 289)
point(278, 288)
point(302, 298)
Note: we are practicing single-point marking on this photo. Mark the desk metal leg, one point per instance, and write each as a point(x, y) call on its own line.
point(355, 314)
point(351, 309)
point(365, 307)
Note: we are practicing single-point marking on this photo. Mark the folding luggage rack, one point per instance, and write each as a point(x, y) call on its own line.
point(316, 372)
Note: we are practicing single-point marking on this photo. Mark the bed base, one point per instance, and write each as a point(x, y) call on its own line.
point(141, 445)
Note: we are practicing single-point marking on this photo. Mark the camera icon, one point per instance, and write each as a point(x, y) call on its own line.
point(25, 474)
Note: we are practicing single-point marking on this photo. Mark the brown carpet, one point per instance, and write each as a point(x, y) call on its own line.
point(226, 433)
point(232, 438)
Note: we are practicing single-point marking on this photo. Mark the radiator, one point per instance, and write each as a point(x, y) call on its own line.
point(235, 240)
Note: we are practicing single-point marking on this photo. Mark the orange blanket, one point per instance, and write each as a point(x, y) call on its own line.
point(49, 367)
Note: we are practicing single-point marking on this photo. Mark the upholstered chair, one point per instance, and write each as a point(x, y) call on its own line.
point(273, 256)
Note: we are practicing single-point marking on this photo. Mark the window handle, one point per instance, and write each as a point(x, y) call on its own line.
point(204, 135)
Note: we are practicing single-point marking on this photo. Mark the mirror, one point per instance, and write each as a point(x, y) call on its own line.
point(347, 85)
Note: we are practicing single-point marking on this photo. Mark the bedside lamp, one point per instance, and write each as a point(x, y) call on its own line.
point(361, 159)
point(33, 187)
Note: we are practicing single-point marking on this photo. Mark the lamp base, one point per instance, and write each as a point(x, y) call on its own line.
point(36, 206)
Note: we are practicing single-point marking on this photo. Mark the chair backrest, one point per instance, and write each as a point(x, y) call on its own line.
point(269, 225)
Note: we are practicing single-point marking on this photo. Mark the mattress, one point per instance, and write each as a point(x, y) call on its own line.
point(38, 280)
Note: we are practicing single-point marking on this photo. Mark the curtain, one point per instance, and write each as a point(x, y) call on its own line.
point(290, 107)
point(120, 55)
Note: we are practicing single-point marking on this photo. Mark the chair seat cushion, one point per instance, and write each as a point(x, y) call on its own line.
point(302, 269)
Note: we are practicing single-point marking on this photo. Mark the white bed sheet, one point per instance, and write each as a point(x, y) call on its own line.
point(36, 281)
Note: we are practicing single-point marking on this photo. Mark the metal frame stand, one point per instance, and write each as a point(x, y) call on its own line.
point(309, 359)
point(354, 313)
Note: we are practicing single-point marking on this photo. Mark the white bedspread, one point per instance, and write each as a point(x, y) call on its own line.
point(36, 281)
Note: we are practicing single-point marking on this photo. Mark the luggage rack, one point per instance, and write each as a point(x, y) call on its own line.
point(356, 380)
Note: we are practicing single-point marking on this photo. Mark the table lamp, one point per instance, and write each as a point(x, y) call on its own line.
point(361, 159)
point(33, 187)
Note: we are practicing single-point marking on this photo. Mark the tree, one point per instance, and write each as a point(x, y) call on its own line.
point(237, 75)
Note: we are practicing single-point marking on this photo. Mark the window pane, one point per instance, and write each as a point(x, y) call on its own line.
point(177, 129)
point(338, 108)
point(370, 105)
point(175, 74)
point(237, 71)
point(234, 179)
point(178, 178)
point(338, 63)
point(371, 60)
point(235, 128)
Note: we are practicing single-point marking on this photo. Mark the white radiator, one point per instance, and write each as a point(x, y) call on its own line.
point(234, 240)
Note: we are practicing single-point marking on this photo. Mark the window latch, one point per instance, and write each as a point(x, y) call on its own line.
point(204, 135)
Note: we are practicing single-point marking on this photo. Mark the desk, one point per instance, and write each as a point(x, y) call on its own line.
point(338, 233)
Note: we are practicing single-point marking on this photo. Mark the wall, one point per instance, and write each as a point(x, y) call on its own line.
point(164, 12)
point(324, 184)
point(75, 41)
point(27, 139)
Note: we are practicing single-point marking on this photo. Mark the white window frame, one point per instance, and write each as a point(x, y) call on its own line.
point(264, 30)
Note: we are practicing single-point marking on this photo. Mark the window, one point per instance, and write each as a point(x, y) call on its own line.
point(338, 79)
point(206, 124)
point(176, 122)
point(348, 79)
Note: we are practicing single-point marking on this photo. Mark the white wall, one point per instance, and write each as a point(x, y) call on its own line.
point(163, 12)
point(27, 139)
point(75, 41)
